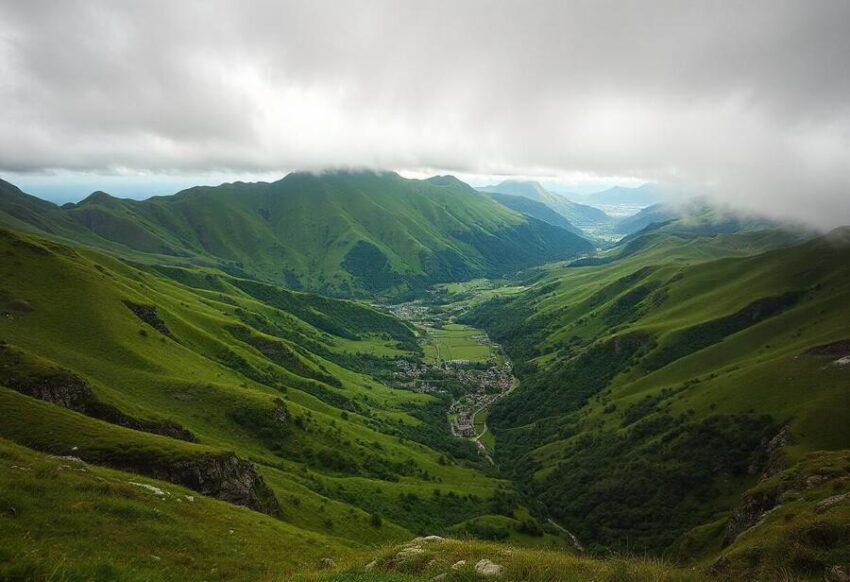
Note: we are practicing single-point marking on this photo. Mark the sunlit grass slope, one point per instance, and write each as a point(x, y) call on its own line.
point(275, 377)
point(653, 386)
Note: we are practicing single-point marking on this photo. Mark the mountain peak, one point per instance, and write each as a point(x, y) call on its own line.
point(98, 197)
point(447, 180)
point(528, 188)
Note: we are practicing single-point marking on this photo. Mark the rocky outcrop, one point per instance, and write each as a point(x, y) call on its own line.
point(224, 476)
point(164, 427)
point(58, 388)
point(149, 315)
point(66, 389)
point(776, 459)
point(754, 506)
point(280, 413)
point(748, 513)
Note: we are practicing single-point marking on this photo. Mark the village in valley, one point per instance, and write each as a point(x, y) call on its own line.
point(459, 361)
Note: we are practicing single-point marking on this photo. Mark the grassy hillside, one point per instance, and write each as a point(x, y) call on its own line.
point(658, 388)
point(688, 398)
point(237, 390)
point(341, 233)
point(695, 218)
point(52, 507)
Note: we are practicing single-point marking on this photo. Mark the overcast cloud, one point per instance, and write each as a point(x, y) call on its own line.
point(747, 100)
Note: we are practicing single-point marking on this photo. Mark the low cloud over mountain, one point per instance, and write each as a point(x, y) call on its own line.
point(746, 102)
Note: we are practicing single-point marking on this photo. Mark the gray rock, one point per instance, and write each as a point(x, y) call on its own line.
point(326, 564)
point(748, 513)
point(830, 501)
point(458, 565)
point(224, 476)
point(487, 568)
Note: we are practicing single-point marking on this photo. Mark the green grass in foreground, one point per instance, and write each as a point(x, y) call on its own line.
point(61, 519)
point(438, 557)
point(339, 457)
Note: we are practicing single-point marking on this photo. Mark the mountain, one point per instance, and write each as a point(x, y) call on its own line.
point(580, 215)
point(341, 233)
point(645, 195)
point(668, 399)
point(535, 209)
point(680, 397)
point(697, 218)
point(234, 404)
point(655, 214)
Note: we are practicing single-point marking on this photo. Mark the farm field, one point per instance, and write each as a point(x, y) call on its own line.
point(455, 341)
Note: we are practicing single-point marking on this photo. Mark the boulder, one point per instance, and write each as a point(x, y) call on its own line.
point(459, 564)
point(326, 564)
point(487, 568)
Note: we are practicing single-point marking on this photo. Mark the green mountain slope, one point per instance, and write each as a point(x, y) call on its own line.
point(536, 210)
point(690, 396)
point(342, 233)
point(658, 388)
point(696, 218)
point(656, 214)
point(580, 215)
point(241, 391)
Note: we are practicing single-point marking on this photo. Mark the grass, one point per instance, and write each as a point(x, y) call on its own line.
point(357, 234)
point(454, 341)
point(208, 378)
point(624, 454)
point(52, 509)
point(518, 563)
point(757, 372)
point(806, 533)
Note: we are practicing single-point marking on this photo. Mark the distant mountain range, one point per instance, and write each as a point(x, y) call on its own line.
point(535, 209)
point(694, 217)
point(341, 233)
point(682, 393)
point(580, 215)
point(654, 214)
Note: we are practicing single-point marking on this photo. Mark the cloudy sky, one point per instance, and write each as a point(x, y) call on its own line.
point(748, 101)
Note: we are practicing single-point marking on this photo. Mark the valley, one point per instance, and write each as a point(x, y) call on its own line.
point(674, 398)
point(383, 291)
point(459, 360)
